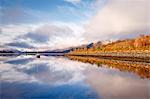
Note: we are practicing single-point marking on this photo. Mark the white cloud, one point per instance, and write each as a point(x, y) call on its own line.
point(45, 36)
point(58, 35)
point(120, 19)
point(10, 32)
point(73, 1)
point(14, 29)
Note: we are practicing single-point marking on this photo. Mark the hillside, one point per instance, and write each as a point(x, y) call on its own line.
point(139, 44)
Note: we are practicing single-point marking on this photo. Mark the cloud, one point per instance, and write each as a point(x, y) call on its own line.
point(19, 14)
point(19, 45)
point(73, 1)
point(48, 32)
point(11, 33)
point(37, 37)
point(81, 10)
point(15, 29)
point(120, 19)
point(46, 36)
point(45, 28)
point(0, 31)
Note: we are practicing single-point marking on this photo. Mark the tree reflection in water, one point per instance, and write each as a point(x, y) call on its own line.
point(139, 68)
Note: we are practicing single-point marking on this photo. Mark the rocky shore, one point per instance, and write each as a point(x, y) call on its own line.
point(127, 56)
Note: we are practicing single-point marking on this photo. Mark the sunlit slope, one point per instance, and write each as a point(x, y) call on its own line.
point(139, 44)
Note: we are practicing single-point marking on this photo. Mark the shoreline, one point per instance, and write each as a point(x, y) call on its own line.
point(125, 56)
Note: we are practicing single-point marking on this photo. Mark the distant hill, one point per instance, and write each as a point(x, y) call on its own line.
point(141, 43)
point(9, 51)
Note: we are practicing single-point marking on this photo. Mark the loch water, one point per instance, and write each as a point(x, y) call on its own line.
point(49, 77)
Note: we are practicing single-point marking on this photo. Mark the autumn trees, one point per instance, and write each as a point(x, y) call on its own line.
point(141, 43)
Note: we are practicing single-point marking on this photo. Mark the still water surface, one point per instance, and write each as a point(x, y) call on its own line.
point(27, 77)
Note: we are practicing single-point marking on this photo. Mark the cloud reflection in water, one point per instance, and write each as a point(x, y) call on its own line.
point(56, 77)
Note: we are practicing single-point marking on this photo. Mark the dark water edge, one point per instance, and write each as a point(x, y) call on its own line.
point(141, 58)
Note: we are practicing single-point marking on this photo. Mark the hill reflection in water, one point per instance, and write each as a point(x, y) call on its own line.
point(139, 68)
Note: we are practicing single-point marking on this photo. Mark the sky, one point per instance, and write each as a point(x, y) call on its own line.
point(58, 24)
